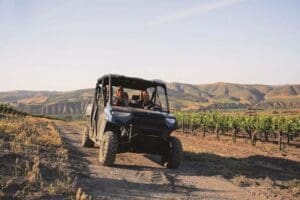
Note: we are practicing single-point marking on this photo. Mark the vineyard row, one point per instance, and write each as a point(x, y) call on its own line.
point(258, 127)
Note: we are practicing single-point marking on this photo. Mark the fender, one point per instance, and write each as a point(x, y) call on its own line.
point(106, 126)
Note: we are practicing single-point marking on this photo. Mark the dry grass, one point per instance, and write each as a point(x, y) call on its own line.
point(34, 161)
point(34, 100)
point(81, 195)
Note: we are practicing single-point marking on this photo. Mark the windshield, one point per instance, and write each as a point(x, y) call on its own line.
point(151, 98)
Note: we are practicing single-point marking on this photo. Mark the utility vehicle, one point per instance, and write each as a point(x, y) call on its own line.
point(132, 128)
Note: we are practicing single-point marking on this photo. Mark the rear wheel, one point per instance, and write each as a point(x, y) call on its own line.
point(108, 148)
point(175, 155)
point(86, 141)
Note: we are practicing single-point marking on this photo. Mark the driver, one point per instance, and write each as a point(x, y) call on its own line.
point(121, 99)
point(145, 101)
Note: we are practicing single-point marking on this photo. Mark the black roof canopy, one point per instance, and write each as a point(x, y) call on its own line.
point(130, 82)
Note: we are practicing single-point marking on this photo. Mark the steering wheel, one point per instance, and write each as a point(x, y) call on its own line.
point(155, 107)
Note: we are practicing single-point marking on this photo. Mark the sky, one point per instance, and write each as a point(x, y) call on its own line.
point(67, 45)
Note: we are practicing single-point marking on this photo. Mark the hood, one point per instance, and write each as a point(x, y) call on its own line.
point(140, 112)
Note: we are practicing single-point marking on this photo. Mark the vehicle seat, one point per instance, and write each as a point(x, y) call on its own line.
point(135, 97)
point(134, 101)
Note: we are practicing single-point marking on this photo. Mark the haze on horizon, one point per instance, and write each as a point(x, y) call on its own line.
point(67, 45)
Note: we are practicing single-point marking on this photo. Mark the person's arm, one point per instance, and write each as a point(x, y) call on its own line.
point(115, 101)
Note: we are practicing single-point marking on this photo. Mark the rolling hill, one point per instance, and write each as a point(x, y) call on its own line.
point(182, 97)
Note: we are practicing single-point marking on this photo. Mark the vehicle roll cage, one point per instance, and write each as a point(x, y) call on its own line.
point(111, 80)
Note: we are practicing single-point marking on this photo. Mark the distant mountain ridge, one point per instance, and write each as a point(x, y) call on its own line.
point(232, 95)
point(182, 97)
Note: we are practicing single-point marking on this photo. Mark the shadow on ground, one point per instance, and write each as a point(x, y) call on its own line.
point(209, 164)
point(257, 166)
point(122, 189)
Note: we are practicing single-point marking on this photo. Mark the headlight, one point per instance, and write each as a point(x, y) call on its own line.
point(171, 121)
point(120, 114)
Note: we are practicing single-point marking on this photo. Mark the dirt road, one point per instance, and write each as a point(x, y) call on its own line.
point(137, 176)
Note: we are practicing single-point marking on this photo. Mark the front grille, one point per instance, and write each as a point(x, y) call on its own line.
point(152, 122)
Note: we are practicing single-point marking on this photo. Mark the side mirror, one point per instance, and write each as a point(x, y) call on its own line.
point(88, 111)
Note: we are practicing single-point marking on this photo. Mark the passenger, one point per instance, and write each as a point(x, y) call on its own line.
point(145, 101)
point(120, 98)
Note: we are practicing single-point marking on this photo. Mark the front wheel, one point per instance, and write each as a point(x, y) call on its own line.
point(108, 148)
point(175, 153)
